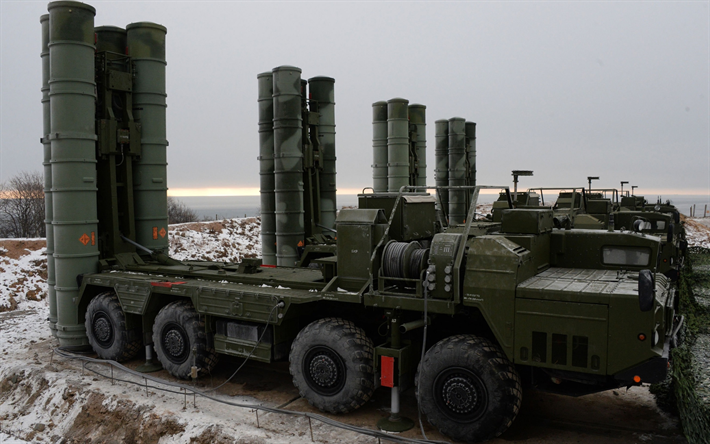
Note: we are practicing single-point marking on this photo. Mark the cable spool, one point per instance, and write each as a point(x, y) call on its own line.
point(396, 258)
point(417, 262)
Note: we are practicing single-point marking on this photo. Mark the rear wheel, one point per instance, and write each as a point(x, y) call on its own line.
point(331, 365)
point(468, 389)
point(106, 329)
point(180, 341)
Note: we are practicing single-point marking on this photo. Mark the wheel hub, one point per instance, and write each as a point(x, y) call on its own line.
point(460, 395)
point(103, 330)
point(323, 371)
point(175, 343)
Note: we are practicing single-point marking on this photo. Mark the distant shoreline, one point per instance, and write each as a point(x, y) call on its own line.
point(228, 207)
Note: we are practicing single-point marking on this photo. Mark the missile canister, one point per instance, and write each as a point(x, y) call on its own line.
point(266, 168)
point(417, 116)
point(73, 159)
point(471, 153)
point(322, 90)
point(146, 46)
point(397, 144)
point(441, 154)
point(110, 38)
point(288, 164)
point(457, 170)
point(47, 147)
point(379, 147)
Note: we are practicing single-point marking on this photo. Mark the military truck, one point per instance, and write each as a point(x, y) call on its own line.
point(466, 312)
point(573, 207)
point(573, 311)
point(579, 208)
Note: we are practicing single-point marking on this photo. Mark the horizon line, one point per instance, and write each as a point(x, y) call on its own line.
point(254, 191)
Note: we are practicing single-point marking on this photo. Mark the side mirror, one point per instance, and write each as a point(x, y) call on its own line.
point(647, 290)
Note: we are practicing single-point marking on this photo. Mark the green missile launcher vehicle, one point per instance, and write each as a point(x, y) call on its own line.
point(468, 312)
point(573, 311)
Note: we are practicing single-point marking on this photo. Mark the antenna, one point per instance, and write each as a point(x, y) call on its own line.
point(590, 179)
point(517, 173)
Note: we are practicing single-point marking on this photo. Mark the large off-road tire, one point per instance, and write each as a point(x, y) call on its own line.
point(468, 389)
point(331, 365)
point(180, 340)
point(106, 329)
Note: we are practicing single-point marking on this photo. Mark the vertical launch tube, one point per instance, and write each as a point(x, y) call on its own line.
point(397, 144)
point(47, 148)
point(266, 168)
point(417, 116)
point(288, 164)
point(146, 46)
point(441, 153)
point(470, 154)
point(72, 99)
point(322, 90)
point(379, 147)
point(110, 38)
point(457, 170)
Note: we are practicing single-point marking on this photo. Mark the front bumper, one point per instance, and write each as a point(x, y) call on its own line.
point(655, 369)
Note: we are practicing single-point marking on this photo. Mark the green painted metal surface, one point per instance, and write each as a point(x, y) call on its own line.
point(441, 169)
point(397, 144)
point(119, 142)
point(417, 117)
point(322, 91)
point(47, 169)
point(288, 164)
point(110, 38)
point(266, 167)
point(379, 147)
point(73, 159)
point(457, 170)
point(470, 157)
point(146, 46)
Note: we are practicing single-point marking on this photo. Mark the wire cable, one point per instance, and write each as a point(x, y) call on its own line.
point(268, 321)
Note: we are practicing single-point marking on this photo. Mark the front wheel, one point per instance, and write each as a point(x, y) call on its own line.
point(331, 365)
point(180, 341)
point(468, 389)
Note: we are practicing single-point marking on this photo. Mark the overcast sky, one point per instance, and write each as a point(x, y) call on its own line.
point(618, 90)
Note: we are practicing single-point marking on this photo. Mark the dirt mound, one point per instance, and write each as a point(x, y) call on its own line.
point(122, 422)
point(78, 414)
point(16, 248)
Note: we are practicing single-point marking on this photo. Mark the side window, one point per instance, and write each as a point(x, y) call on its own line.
point(634, 256)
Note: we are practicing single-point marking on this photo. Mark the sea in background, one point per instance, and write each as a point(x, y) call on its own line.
point(228, 207)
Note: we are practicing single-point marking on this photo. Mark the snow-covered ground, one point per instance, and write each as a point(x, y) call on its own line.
point(228, 240)
point(697, 231)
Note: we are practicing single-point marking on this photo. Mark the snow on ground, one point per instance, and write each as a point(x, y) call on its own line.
point(229, 240)
point(697, 231)
point(23, 274)
point(7, 439)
